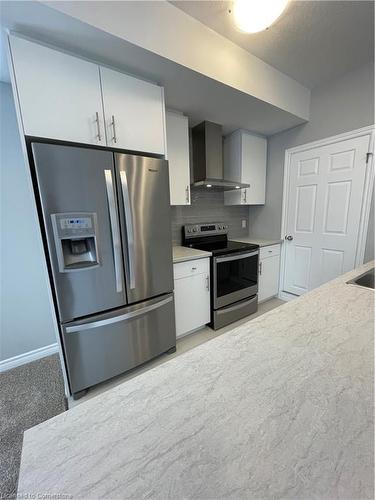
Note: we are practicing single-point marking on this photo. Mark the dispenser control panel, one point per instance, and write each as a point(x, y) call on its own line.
point(76, 223)
point(76, 241)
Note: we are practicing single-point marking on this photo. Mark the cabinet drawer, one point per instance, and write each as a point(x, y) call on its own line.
point(191, 267)
point(269, 251)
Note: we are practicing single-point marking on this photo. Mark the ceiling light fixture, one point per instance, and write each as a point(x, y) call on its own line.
point(251, 16)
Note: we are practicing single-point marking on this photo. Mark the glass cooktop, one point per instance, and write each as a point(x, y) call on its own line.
point(223, 247)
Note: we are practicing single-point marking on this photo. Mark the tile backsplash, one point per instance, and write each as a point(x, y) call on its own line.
point(209, 207)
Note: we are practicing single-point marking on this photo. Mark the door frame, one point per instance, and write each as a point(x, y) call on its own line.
point(366, 201)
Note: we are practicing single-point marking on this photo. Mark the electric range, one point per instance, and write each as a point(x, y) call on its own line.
point(234, 271)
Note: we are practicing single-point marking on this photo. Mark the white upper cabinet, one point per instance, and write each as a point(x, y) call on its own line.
point(62, 97)
point(178, 158)
point(245, 160)
point(134, 113)
point(59, 95)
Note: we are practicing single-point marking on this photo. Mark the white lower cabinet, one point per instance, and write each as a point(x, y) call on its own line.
point(192, 295)
point(269, 270)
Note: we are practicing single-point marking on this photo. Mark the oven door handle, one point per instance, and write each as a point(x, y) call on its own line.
point(235, 257)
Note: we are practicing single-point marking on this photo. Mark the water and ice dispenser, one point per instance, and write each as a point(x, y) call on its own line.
point(76, 241)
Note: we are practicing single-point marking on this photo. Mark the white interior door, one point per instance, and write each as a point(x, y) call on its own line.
point(325, 194)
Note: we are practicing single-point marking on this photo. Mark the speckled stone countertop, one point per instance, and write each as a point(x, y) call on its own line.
point(181, 254)
point(280, 407)
point(257, 241)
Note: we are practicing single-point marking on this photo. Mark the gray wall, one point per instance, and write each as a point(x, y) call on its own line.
point(26, 319)
point(340, 106)
point(209, 207)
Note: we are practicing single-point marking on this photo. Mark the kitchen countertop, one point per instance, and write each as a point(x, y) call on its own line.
point(181, 254)
point(279, 407)
point(257, 241)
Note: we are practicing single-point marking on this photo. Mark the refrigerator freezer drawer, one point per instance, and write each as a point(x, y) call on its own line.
point(109, 344)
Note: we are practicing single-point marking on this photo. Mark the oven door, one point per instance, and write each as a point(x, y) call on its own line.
point(235, 277)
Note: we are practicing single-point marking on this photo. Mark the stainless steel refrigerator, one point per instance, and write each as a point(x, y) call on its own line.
point(106, 219)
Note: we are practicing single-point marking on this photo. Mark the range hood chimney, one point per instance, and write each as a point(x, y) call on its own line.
point(208, 159)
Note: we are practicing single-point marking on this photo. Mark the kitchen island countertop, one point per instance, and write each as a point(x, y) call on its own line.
point(279, 407)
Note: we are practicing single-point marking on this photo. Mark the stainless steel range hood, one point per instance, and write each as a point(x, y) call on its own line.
point(208, 167)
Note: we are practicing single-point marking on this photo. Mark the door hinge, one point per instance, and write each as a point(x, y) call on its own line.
point(368, 156)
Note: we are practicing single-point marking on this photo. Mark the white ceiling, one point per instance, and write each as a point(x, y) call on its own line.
point(312, 42)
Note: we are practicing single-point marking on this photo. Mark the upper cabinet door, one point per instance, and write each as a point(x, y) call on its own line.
point(178, 158)
point(134, 111)
point(59, 95)
point(245, 160)
point(254, 161)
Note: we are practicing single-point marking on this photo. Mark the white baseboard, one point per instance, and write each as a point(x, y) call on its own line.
point(287, 296)
point(22, 359)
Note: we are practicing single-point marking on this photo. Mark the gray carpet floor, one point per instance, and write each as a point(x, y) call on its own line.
point(29, 395)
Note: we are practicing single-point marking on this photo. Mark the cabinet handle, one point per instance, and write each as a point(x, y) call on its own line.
point(187, 194)
point(193, 268)
point(99, 135)
point(114, 130)
point(260, 268)
point(207, 283)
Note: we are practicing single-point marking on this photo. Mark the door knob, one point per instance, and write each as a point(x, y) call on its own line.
point(289, 237)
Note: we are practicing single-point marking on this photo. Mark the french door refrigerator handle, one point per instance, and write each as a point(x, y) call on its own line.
point(116, 240)
point(129, 227)
point(117, 319)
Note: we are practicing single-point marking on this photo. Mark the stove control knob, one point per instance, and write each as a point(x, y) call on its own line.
point(194, 229)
